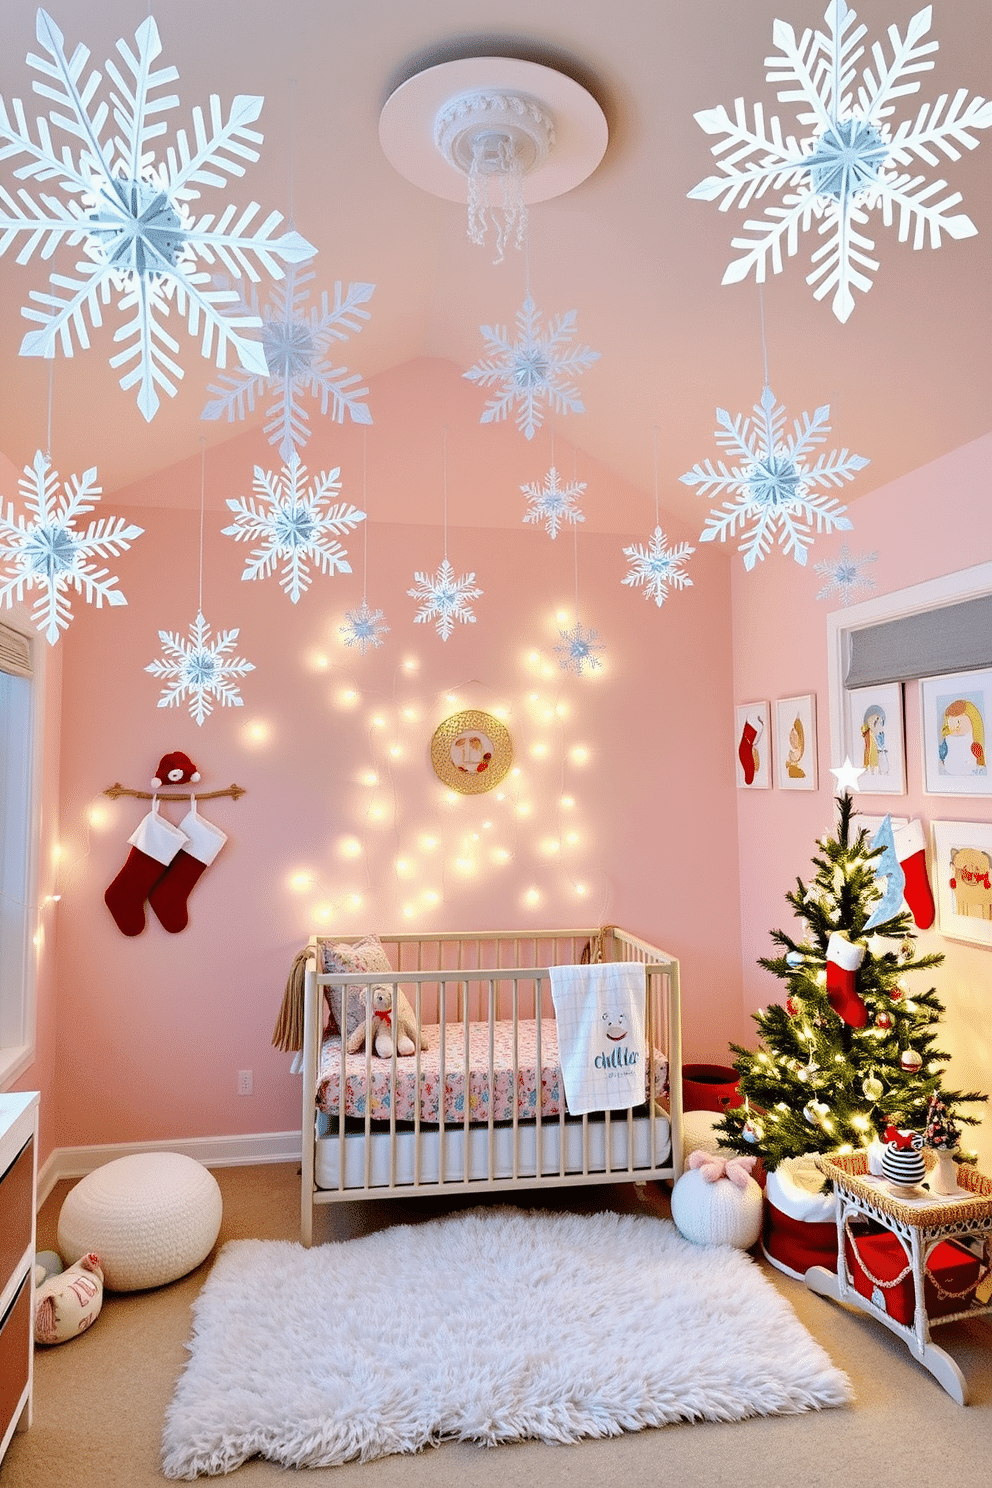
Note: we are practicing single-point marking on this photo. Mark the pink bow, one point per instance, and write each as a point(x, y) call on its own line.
point(713, 1167)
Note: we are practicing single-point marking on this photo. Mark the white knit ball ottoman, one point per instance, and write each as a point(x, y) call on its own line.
point(717, 1213)
point(150, 1218)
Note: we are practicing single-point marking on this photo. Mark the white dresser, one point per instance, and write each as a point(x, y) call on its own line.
point(18, 1190)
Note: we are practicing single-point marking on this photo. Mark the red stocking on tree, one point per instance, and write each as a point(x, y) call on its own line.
point(843, 960)
point(169, 896)
point(154, 844)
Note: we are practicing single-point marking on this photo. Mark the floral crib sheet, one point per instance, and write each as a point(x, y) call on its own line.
point(485, 1092)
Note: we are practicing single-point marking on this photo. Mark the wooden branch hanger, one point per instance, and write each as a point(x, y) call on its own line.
point(117, 789)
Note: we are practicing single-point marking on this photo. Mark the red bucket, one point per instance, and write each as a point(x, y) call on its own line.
point(709, 1087)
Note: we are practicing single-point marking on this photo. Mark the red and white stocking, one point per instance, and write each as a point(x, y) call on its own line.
point(154, 844)
point(911, 852)
point(746, 752)
point(843, 961)
point(169, 896)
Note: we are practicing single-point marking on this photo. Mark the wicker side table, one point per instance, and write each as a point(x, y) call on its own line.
point(920, 1224)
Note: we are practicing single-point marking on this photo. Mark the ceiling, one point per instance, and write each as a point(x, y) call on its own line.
point(907, 377)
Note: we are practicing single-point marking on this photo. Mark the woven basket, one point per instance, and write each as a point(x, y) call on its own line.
point(851, 1170)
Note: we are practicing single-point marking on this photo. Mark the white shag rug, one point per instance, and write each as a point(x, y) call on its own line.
point(494, 1325)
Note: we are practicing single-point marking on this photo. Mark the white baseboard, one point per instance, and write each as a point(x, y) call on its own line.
point(213, 1152)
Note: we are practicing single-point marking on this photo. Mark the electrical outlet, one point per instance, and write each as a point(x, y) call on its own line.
point(245, 1085)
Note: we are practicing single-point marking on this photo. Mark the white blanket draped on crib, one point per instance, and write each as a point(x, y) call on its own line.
point(599, 1010)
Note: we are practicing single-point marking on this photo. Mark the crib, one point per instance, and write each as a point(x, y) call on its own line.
point(482, 1108)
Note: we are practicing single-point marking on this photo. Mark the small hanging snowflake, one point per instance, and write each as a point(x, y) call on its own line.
point(578, 649)
point(296, 342)
point(554, 503)
point(656, 566)
point(363, 627)
point(773, 487)
point(45, 552)
point(443, 598)
point(855, 160)
point(293, 522)
point(199, 670)
point(846, 575)
point(532, 370)
point(131, 212)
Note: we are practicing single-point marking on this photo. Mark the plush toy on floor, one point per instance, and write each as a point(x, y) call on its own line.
point(717, 1202)
point(382, 1026)
point(67, 1302)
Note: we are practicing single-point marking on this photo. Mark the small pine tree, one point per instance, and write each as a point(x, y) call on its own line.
point(818, 1082)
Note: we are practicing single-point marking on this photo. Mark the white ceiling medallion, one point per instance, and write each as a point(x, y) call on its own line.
point(496, 133)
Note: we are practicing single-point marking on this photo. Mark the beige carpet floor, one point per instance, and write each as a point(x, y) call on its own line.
point(100, 1400)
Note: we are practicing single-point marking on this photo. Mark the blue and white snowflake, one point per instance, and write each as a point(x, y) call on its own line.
point(363, 627)
point(656, 566)
point(846, 575)
point(296, 342)
point(579, 649)
point(199, 669)
point(554, 503)
point(131, 212)
point(854, 160)
point(293, 522)
point(773, 486)
point(533, 370)
point(44, 552)
point(444, 598)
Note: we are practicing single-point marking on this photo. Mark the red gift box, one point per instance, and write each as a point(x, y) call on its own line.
point(955, 1268)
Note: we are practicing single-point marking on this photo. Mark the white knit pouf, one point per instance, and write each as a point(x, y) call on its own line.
point(150, 1218)
point(717, 1213)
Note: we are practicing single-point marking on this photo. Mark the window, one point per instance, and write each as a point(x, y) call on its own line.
point(19, 780)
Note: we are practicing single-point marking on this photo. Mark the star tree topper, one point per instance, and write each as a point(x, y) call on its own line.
point(773, 487)
point(855, 159)
point(532, 371)
point(126, 200)
point(199, 669)
point(45, 551)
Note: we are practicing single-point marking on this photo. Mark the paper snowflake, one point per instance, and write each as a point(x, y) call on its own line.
point(554, 503)
point(578, 649)
point(855, 160)
point(363, 627)
point(44, 551)
point(296, 342)
point(199, 670)
point(293, 522)
point(846, 575)
point(131, 212)
point(773, 486)
point(656, 566)
point(444, 598)
point(533, 370)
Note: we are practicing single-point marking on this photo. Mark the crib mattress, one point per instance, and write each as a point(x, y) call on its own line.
point(490, 1090)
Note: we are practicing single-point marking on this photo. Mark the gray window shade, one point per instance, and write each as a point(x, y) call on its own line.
point(15, 652)
point(954, 638)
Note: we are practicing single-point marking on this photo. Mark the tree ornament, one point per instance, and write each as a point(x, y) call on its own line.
point(910, 1060)
point(873, 1088)
point(884, 1021)
point(752, 1131)
point(855, 159)
point(794, 958)
point(793, 1006)
point(897, 993)
point(815, 1112)
point(532, 371)
point(843, 962)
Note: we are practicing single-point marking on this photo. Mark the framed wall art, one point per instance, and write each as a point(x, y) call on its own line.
point(753, 743)
point(957, 713)
point(471, 751)
point(795, 743)
point(875, 738)
point(962, 870)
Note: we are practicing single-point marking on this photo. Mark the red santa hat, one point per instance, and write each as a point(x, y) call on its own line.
point(175, 769)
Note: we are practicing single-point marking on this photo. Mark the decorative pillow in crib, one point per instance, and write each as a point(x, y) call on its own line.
point(368, 955)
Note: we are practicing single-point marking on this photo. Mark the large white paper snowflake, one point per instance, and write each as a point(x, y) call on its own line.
point(846, 575)
point(533, 370)
point(296, 342)
point(363, 627)
point(656, 566)
point(293, 522)
point(444, 598)
point(774, 486)
point(199, 669)
point(126, 200)
point(578, 648)
point(553, 503)
point(855, 159)
point(43, 551)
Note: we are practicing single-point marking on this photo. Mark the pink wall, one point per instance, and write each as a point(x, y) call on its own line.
point(152, 1029)
point(932, 522)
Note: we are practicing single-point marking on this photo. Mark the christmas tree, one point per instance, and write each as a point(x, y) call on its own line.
point(853, 1049)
